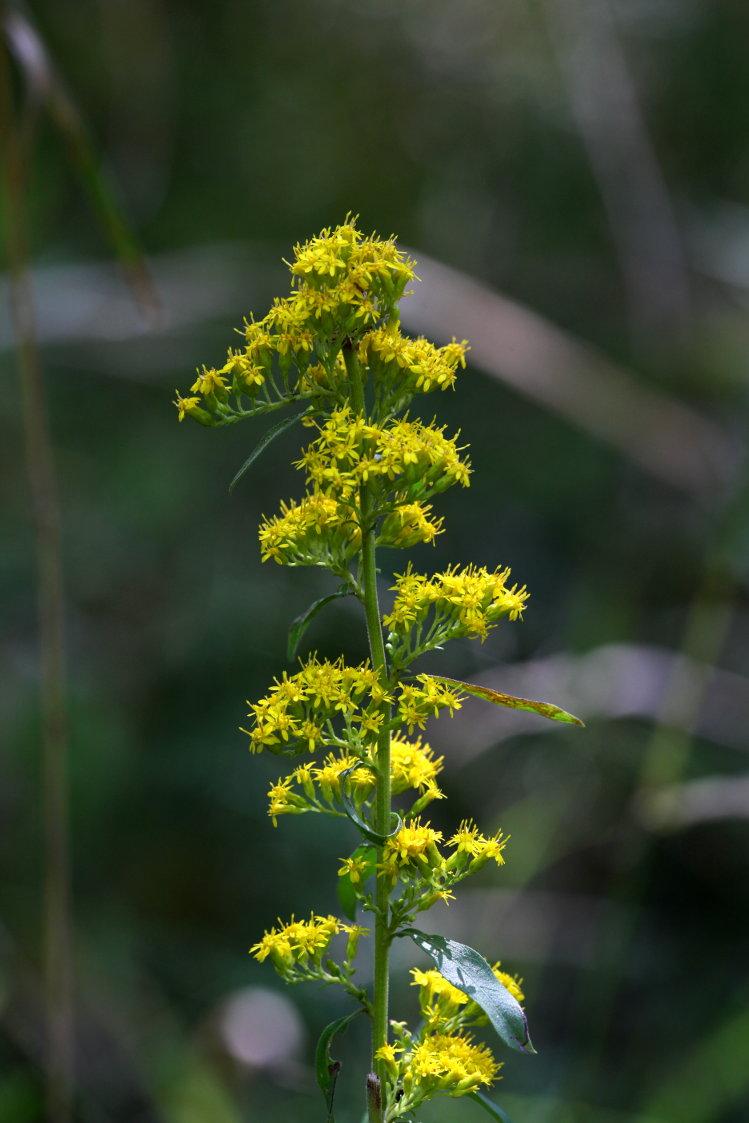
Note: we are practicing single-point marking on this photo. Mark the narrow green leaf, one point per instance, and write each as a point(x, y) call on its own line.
point(263, 443)
point(544, 709)
point(346, 892)
point(299, 625)
point(469, 971)
point(488, 1105)
point(350, 808)
point(326, 1069)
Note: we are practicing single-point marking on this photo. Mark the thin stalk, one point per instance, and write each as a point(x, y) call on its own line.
point(58, 970)
point(383, 797)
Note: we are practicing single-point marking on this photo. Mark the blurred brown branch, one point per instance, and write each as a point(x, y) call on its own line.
point(521, 348)
point(675, 806)
point(613, 130)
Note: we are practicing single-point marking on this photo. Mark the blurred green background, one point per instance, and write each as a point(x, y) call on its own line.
point(573, 177)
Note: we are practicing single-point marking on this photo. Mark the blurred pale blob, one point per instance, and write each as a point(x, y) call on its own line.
point(261, 1028)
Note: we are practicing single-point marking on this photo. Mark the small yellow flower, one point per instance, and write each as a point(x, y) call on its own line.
point(358, 869)
point(210, 382)
point(283, 801)
point(412, 848)
point(355, 933)
point(387, 1053)
point(185, 406)
point(478, 847)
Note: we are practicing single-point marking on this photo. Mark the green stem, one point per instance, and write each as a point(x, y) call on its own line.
point(45, 516)
point(383, 792)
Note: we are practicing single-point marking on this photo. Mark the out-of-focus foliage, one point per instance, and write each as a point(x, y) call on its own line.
point(587, 164)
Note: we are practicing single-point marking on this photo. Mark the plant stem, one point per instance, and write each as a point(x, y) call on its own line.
point(383, 792)
point(45, 513)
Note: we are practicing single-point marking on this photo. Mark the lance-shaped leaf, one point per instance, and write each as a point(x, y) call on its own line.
point(489, 1106)
point(300, 623)
point(264, 441)
point(367, 856)
point(544, 709)
point(469, 971)
point(350, 808)
point(326, 1069)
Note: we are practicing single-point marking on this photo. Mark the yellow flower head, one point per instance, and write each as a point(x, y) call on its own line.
point(413, 849)
point(185, 406)
point(409, 524)
point(388, 1054)
point(328, 777)
point(316, 531)
point(357, 869)
point(413, 765)
point(477, 848)
point(403, 367)
point(450, 1064)
point(298, 941)
point(210, 382)
point(246, 374)
point(439, 1000)
point(283, 801)
point(462, 602)
point(294, 714)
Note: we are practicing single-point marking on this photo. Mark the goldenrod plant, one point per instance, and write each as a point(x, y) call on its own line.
point(352, 734)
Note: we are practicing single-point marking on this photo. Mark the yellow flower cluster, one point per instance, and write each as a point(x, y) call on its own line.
point(299, 711)
point(409, 524)
point(399, 461)
point(458, 602)
point(412, 854)
point(445, 1006)
point(471, 845)
point(316, 531)
point(413, 765)
point(282, 800)
point(402, 367)
point(343, 285)
point(432, 365)
point(300, 943)
point(310, 788)
point(449, 1063)
point(418, 701)
point(441, 1059)
point(439, 1000)
point(398, 455)
point(372, 265)
point(413, 848)
point(439, 1064)
point(334, 347)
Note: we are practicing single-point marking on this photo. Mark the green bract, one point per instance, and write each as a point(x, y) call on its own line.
point(334, 347)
